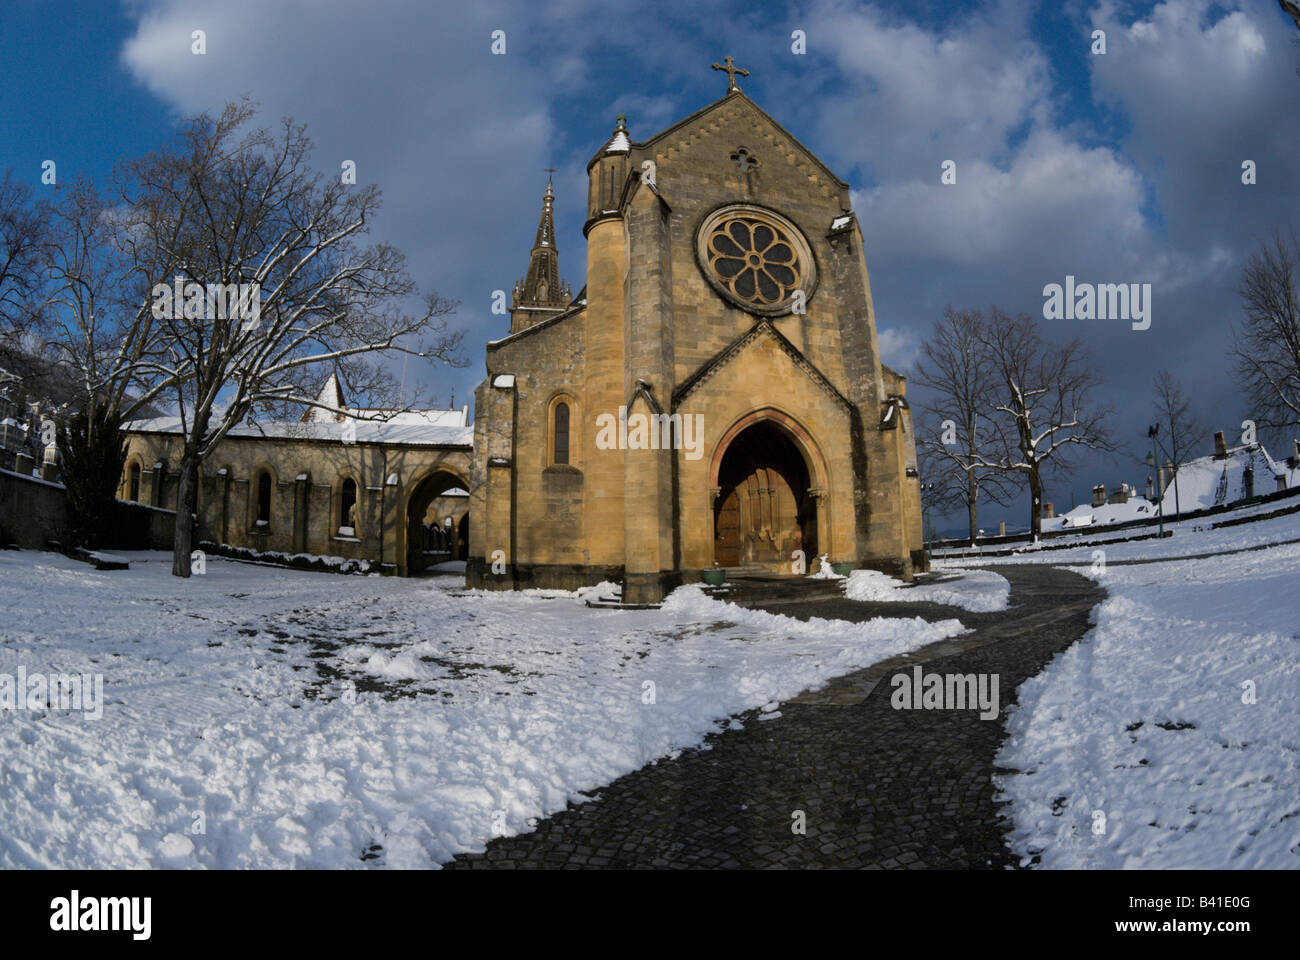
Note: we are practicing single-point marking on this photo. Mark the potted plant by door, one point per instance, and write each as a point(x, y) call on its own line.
point(714, 576)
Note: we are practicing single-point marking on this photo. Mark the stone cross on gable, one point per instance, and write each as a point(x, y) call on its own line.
point(732, 70)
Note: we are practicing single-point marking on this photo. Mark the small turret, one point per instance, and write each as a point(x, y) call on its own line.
point(606, 175)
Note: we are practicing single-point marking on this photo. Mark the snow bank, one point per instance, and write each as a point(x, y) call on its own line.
point(979, 591)
point(1167, 738)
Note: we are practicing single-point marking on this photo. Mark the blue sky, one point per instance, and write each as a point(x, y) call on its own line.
point(1115, 168)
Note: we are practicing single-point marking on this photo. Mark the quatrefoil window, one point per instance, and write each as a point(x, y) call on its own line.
point(755, 258)
point(745, 161)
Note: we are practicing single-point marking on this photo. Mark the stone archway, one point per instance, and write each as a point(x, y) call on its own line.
point(416, 547)
point(767, 481)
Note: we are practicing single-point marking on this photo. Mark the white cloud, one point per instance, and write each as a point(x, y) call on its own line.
point(898, 348)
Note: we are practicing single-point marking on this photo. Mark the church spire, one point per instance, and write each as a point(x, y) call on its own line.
point(546, 226)
point(541, 294)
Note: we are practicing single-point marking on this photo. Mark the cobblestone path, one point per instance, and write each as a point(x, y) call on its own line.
point(879, 787)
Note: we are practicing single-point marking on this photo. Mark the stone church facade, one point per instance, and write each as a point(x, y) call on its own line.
point(713, 396)
point(386, 486)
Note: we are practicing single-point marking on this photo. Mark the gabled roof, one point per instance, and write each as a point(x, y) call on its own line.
point(737, 95)
point(331, 395)
point(576, 308)
point(764, 327)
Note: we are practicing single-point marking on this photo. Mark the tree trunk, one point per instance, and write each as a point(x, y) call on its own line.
point(972, 492)
point(1035, 505)
point(187, 489)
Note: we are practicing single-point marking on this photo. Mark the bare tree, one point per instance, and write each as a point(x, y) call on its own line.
point(99, 323)
point(1180, 429)
point(101, 334)
point(1266, 347)
point(242, 210)
point(1291, 9)
point(957, 372)
point(23, 238)
point(1041, 404)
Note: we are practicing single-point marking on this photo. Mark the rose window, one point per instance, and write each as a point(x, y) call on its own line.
point(755, 258)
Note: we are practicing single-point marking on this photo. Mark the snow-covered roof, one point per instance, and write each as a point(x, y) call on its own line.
point(331, 394)
point(1207, 482)
point(331, 397)
point(419, 433)
point(1084, 515)
point(436, 418)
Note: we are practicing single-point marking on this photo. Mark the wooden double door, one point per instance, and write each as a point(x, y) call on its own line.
point(764, 511)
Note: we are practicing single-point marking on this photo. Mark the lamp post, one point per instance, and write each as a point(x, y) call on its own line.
point(1153, 459)
point(927, 491)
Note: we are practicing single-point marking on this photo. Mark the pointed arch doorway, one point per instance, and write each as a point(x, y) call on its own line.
point(767, 479)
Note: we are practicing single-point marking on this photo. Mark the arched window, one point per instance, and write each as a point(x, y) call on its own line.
point(347, 509)
point(264, 499)
point(561, 433)
point(133, 485)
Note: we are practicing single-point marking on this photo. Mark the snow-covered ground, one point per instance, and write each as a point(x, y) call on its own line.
point(974, 590)
point(1100, 533)
point(309, 719)
point(1188, 537)
point(1169, 737)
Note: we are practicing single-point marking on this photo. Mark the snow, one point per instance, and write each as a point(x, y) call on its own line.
point(334, 562)
point(1207, 482)
point(437, 418)
point(979, 591)
point(248, 694)
point(1084, 515)
point(1184, 538)
point(1142, 731)
point(331, 399)
point(840, 222)
point(401, 429)
point(447, 566)
point(825, 570)
point(34, 477)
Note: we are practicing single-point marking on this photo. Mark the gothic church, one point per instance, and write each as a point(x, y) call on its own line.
point(727, 308)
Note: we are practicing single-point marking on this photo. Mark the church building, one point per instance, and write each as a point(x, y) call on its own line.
point(714, 396)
